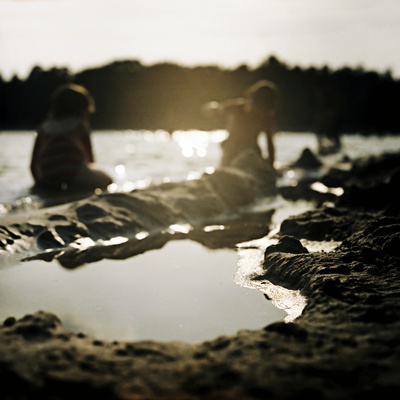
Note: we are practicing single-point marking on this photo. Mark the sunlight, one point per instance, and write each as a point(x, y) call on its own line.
point(251, 270)
point(120, 170)
point(113, 241)
point(83, 243)
point(218, 135)
point(156, 136)
point(192, 142)
point(316, 245)
point(321, 188)
point(179, 228)
point(251, 266)
point(193, 175)
point(213, 228)
point(142, 235)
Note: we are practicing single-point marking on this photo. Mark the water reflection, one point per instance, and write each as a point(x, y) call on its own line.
point(321, 188)
point(212, 228)
point(251, 259)
point(179, 228)
point(251, 271)
point(72, 250)
point(195, 143)
point(181, 292)
point(142, 235)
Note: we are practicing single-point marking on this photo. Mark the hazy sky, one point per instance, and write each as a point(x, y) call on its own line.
point(87, 33)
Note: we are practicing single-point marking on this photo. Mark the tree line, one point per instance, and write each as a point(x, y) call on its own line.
point(168, 96)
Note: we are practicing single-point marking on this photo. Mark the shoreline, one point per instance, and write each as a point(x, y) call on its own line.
point(344, 344)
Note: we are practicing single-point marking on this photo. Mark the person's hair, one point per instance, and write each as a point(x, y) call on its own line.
point(71, 100)
point(264, 94)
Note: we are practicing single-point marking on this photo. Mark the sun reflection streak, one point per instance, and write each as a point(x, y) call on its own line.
point(85, 243)
point(321, 188)
point(213, 228)
point(142, 235)
point(192, 142)
point(129, 186)
point(179, 228)
point(113, 241)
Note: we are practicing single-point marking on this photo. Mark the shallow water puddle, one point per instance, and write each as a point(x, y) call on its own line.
point(183, 291)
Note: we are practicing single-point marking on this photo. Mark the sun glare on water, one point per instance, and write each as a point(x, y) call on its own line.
point(195, 143)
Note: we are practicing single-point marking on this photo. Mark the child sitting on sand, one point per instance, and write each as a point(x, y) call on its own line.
point(246, 118)
point(62, 156)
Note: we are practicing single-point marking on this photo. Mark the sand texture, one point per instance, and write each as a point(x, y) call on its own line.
point(344, 345)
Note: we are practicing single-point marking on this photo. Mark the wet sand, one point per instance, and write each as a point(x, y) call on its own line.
point(344, 345)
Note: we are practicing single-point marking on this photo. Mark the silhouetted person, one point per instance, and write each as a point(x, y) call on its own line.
point(328, 118)
point(245, 119)
point(62, 156)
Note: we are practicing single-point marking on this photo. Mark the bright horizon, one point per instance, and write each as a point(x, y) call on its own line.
point(80, 34)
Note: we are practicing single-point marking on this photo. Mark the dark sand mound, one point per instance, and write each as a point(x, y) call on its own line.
point(345, 345)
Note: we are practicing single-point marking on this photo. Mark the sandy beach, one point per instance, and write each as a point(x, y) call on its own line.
point(344, 345)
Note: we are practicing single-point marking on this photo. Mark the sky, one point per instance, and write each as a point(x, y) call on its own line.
point(80, 34)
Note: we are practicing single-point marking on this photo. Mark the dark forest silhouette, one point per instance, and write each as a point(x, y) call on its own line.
point(167, 96)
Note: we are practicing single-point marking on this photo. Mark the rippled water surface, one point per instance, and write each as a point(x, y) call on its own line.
point(136, 158)
point(183, 291)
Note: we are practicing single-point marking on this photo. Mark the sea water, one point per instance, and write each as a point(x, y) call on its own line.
point(183, 291)
point(138, 158)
